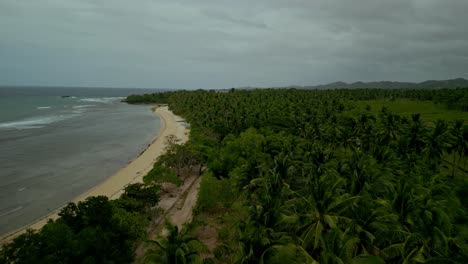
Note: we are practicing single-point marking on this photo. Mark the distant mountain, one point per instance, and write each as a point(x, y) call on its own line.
point(432, 84)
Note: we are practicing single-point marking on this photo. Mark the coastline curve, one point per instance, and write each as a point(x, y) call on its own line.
point(133, 172)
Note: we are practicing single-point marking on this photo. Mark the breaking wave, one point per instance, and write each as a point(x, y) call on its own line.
point(35, 122)
point(103, 100)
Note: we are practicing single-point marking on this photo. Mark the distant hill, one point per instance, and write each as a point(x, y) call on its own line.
point(432, 84)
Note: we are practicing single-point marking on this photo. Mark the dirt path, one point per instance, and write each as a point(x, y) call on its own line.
point(177, 205)
point(181, 213)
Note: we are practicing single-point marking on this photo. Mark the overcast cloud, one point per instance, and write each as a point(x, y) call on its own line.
point(222, 44)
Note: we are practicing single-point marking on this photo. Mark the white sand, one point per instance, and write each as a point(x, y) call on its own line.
point(132, 173)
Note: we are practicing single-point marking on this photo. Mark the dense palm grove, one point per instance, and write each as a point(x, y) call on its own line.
point(319, 184)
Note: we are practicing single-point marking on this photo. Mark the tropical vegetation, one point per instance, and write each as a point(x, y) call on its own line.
point(311, 176)
point(292, 176)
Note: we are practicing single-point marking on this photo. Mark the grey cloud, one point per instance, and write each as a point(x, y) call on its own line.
point(220, 43)
point(216, 14)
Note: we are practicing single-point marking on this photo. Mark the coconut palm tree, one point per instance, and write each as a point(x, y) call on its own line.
point(458, 144)
point(437, 142)
point(375, 224)
point(389, 128)
point(416, 134)
point(323, 206)
point(178, 247)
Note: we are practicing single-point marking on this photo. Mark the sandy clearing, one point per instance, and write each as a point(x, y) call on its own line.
point(182, 212)
point(113, 186)
point(177, 206)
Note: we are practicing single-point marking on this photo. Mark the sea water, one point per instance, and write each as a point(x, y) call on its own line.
point(56, 143)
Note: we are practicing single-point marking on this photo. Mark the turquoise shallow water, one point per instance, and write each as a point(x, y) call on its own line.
point(53, 148)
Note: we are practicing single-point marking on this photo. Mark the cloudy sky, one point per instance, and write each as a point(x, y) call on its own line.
point(226, 43)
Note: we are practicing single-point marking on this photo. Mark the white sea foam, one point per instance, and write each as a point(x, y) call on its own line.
point(103, 100)
point(21, 189)
point(11, 211)
point(35, 122)
point(43, 107)
point(83, 106)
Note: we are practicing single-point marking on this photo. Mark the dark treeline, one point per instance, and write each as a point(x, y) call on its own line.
point(310, 182)
point(96, 230)
point(292, 109)
point(161, 98)
point(456, 99)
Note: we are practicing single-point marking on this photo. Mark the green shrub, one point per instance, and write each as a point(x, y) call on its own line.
point(161, 174)
point(214, 193)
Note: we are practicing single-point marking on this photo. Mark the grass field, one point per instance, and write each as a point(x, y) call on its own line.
point(429, 111)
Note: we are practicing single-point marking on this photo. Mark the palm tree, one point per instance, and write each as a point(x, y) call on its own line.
point(258, 243)
point(375, 224)
point(346, 137)
point(458, 145)
point(333, 131)
point(389, 128)
point(416, 134)
point(287, 253)
point(258, 235)
point(324, 204)
point(179, 247)
point(437, 143)
point(363, 132)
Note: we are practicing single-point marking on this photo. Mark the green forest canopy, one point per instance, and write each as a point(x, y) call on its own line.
point(301, 176)
point(336, 176)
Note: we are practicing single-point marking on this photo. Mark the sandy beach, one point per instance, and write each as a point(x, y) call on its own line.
point(113, 186)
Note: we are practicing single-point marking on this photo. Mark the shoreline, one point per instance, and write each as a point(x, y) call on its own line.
point(133, 172)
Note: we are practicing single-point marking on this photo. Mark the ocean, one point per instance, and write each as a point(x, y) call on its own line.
point(56, 143)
